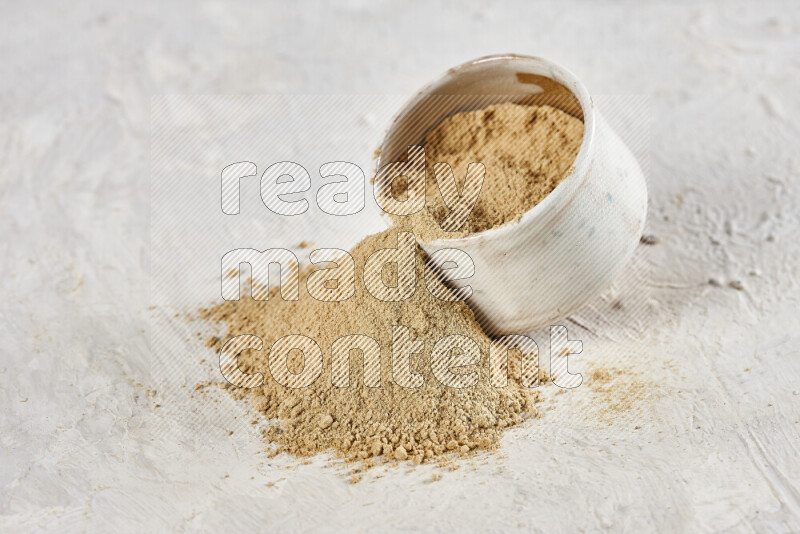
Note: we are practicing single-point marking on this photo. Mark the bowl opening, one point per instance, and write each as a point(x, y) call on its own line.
point(478, 84)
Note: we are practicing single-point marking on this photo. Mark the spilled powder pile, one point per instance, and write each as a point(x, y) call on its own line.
point(358, 422)
point(527, 152)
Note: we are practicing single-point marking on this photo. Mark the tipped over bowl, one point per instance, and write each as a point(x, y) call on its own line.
point(568, 247)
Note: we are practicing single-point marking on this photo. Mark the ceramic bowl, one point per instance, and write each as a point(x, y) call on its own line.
point(570, 246)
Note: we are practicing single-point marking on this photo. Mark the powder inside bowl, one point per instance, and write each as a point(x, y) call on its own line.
point(527, 152)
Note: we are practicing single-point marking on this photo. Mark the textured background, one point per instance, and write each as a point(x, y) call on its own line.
point(706, 438)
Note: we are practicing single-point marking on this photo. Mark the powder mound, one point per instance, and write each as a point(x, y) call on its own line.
point(527, 152)
point(358, 422)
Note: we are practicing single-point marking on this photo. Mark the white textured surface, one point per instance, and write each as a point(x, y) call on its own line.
point(84, 447)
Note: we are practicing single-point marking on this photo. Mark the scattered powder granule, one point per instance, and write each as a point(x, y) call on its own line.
point(619, 390)
point(526, 150)
point(390, 421)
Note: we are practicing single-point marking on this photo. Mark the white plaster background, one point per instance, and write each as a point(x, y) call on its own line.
point(718, 443)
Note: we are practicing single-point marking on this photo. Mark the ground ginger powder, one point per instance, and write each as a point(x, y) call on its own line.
point(527, 151)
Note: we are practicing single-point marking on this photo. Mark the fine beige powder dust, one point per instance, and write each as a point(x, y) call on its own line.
point(527, 151)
